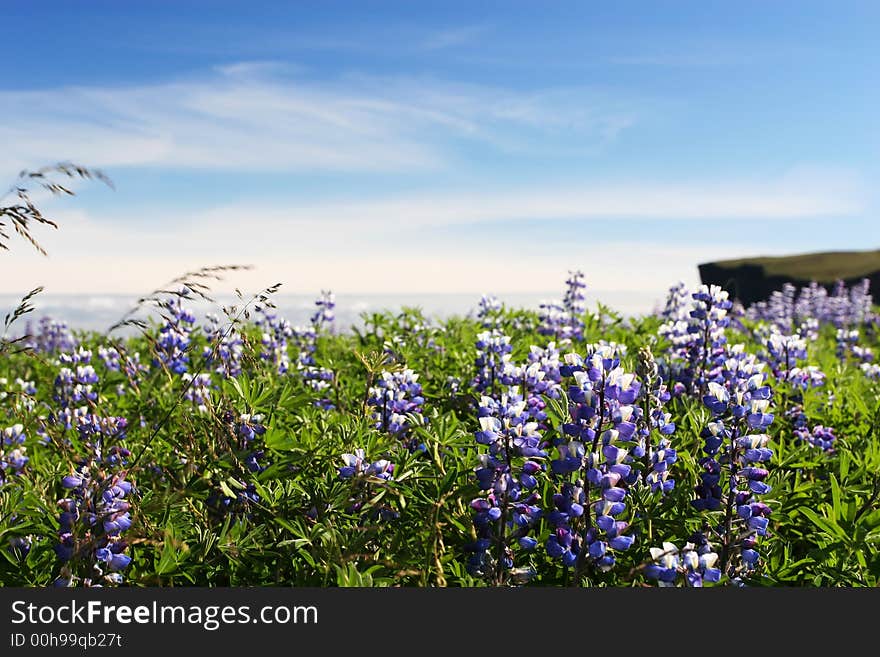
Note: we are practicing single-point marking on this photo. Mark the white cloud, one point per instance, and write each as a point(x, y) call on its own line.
point(804, 193)
point(390, 245)
point(92, 260)
point(262, 116)
point(254, 116)
point(455, 36)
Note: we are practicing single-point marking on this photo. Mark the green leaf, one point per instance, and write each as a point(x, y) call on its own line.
point(835, 498)
point(279, 440)
point(826, 525)
point(168, 559)
point(227, 490)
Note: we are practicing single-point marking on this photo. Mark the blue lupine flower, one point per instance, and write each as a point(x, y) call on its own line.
point(125, 362)
point(573, 304)
point(95, 431)
point(692, 565)
point(489, 312)
point(324, 315)
point(13, 453)
point(225, 346)
point(357, 465)
point(173, 342)
point(364, 474)
point(110, 357)
point(660, 457)
point(239, 496)
point(276, 333)
point(317, 378)
point(198, 391)
point(93, 519)
point(494, 369)
point(847, 341)
point(395, 396)
point(562, 319)
point(508, 476)
point(592, 468)
point(844, 307)
point(51, 337)
point(248, 429)
point(820, 436)
point(678, 303)
point(75, 385)
point(698, 342)
point(735, 459)
point(785, 354)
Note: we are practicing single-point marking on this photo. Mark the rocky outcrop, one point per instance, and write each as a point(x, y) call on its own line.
point(750, 281)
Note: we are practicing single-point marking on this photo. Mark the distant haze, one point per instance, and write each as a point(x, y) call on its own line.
point(99, 312)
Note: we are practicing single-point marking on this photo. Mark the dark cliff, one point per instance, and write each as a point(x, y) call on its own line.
point(754, 279)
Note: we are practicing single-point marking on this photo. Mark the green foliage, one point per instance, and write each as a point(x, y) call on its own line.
point(311, 528)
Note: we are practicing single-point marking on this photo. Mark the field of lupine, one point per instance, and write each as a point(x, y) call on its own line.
point(705, 444)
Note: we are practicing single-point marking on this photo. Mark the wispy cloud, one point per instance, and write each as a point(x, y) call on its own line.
point(717, 51)
point(455, 36)
point(247, 116)
point(796, 195)
point(412, 244)
point(341, 261)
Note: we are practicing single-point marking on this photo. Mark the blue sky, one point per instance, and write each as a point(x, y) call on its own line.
point(441, 147)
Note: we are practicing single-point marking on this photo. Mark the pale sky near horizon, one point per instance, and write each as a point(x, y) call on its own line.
point(409, 148)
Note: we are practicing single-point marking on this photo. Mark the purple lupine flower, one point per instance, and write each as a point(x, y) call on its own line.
point(492, 362)
point(592, 468)
point(541, 379)
point(248, 429)
point(276, 333)
point(26, 387)
point(736, 448)
point(173, 342)
point(228, 346)
point(678, 303)
point(13, 453)
point(13, 435)
point(573, 304)
point(660, 457)
point(395, 396)
point(819, 436)
point(319, 379)
point(75, 384)
point(243, 497)
point(691, 566)
point(815, 306)
point(51, 337)
point(238, 496)
point(697, 342)
point(553, 319)
point(127, 363)
point(847, 339)
point(562, 319)
point(324, 316)
point(706, 348)
point(508, 477)
point(357, 465)
point(110, 357)
point(94, 516)
point(198, 391)
point(781, 308)
point(490, 311)
point(364, 475)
